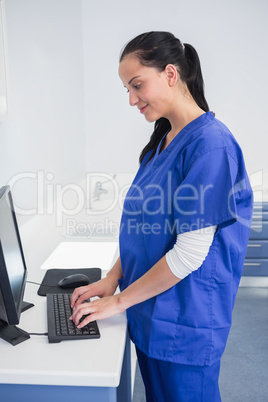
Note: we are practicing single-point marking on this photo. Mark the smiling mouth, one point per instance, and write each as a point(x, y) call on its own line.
point(142, 110)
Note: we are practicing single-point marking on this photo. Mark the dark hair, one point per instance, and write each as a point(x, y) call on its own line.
point(158, 49)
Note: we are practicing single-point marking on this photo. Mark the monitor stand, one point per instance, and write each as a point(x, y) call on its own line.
point(26, 306)
point(13, 334)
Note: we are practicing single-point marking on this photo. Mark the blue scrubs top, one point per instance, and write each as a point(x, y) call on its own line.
point(199, 180)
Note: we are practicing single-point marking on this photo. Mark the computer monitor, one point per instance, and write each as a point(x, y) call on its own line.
point(13, 272)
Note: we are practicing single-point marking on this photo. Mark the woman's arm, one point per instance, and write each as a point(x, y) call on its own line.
point(155, 281)
point(158, 279)
point(187, 255)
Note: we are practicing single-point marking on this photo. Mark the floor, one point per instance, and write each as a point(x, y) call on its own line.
point(244, 367)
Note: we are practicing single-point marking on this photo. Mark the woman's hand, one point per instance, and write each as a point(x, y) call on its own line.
point(102, 288)
point(155, 281)
point(97, 310)
point(106, 306)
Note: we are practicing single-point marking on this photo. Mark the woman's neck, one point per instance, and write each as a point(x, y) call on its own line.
point(182, 119)
point(183, 110)
point(177, 126)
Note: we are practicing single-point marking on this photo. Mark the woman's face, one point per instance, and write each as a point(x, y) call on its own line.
point(148, 88)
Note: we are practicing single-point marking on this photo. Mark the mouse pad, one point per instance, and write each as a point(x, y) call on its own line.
point(53, 276)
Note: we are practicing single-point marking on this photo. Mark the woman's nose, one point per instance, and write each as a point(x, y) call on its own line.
point(133, 98)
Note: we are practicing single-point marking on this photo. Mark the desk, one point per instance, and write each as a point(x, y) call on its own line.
point(95, 370)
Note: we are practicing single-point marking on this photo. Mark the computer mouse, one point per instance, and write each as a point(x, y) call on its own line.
point(73, 281)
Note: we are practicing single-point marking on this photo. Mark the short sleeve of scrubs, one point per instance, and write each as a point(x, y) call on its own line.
point(206, 196)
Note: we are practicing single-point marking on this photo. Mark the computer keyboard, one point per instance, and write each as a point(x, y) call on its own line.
point(60, 328)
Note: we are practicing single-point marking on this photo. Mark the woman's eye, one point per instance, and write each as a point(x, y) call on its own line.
point(135, 87)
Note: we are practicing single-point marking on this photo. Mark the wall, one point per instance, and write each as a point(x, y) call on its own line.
point(69, 111)
point(230, 38)
point(43, 142)
point(45, 132)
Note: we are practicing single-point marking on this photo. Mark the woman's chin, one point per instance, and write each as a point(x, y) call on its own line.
point(150, 119)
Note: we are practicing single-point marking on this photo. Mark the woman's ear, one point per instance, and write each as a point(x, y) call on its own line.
point(171, 74)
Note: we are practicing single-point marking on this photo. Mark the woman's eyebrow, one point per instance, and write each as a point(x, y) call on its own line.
point(133, 79)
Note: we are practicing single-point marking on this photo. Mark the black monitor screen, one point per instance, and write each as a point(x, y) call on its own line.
point(12, 263)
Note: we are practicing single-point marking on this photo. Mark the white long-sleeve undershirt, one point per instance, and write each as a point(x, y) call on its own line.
point(190, 251)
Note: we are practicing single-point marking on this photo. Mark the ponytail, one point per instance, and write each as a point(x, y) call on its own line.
point(194, 77)
point(158, 49)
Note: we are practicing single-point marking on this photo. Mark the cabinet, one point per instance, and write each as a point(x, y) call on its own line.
point(256, 261)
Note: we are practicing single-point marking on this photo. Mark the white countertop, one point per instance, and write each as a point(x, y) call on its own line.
point(87, 254)
point(95, 362)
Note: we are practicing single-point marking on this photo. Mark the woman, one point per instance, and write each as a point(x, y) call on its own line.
point(184, 228)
